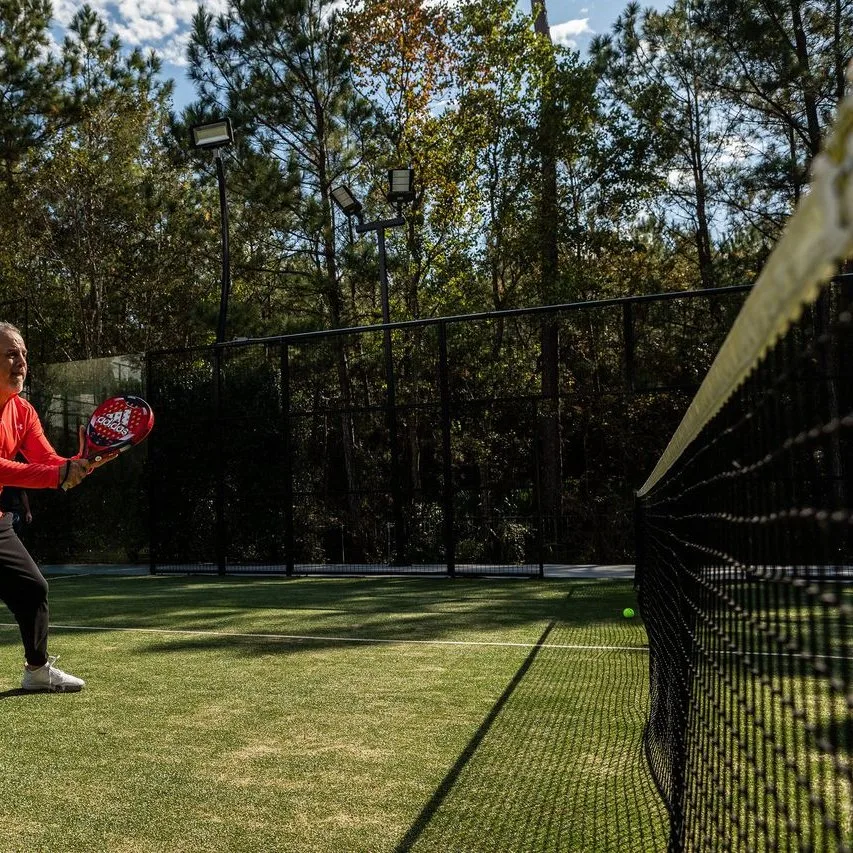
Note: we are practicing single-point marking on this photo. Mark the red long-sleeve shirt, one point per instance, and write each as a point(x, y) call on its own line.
point(21, 432)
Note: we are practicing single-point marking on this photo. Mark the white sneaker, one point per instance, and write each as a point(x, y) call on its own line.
point(51, 678)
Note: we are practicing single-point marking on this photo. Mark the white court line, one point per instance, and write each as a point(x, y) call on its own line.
point(313, 638)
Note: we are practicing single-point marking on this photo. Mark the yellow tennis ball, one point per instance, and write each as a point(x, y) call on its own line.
point(628, 613)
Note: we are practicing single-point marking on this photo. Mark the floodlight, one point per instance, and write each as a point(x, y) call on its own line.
point(346, 201)
point(215, 134)
point(401, 185)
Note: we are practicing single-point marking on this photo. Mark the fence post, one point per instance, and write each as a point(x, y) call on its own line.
point(219, 510)
point(149, 474)
point(287, 442)
point(446, 453)
point(540, 521)
point(628, 339)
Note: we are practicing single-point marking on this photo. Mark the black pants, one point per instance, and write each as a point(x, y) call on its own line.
point(24, 591)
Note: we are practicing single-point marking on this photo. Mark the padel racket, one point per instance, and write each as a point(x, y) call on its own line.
point(115, 426)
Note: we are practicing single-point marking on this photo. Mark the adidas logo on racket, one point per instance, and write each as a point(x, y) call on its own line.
point(115, 426)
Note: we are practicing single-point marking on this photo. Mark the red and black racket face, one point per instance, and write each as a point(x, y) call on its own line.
point(118, 423)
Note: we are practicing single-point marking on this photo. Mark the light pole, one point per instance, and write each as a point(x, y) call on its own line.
point(215, 136)
point(400, 189)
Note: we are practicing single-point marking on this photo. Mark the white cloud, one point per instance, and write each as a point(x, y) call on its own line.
point(162, 25)
point(567, 32)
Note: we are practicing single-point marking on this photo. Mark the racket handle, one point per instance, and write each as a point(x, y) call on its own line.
point(95, 458)
point(64, 484)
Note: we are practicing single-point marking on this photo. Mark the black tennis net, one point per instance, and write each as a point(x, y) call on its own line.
point(745, 580)
point(744, 564)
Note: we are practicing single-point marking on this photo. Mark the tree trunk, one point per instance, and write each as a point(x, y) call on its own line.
point(704, 248)
point(809, 87)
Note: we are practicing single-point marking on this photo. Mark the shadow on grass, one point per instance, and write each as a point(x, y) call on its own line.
point(556, 765)
point(450, 779)
point(11, 694)
point(237, 612)
point(18, 692)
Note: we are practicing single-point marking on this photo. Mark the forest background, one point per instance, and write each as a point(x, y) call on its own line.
point(668, 159)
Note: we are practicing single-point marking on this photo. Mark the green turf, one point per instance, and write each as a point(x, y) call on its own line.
point(471, 716)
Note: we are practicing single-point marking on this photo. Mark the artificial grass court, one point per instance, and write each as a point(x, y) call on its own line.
point(326, 714)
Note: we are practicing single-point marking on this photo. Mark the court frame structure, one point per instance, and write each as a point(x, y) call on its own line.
point(497, 443)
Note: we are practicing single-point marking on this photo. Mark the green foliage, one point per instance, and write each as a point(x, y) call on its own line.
point(678, 151)
point(102, 224)
point(281, 68)
point(670, 159)
point(653, 66)
point(29, 82)
point(729, 99)
point(780, 67)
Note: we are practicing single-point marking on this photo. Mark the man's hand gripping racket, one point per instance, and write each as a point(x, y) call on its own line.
point(116, 425)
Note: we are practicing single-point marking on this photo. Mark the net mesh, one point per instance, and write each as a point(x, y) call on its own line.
point(744, 570)
point(746, 587)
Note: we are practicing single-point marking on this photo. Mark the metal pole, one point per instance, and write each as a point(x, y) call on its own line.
point(446, 453)
point(628, 339)
point(400, 548)
point(226, 256)
point(148, 472)
point(220, 536)
point(537, 484)
point(383, 275)
point(399, 557)
point(221, 540)
point(287, 444)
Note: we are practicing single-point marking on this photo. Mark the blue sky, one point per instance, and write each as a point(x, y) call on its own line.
point(163, 25)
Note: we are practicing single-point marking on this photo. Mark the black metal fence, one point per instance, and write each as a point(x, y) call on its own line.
point(489, 443)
